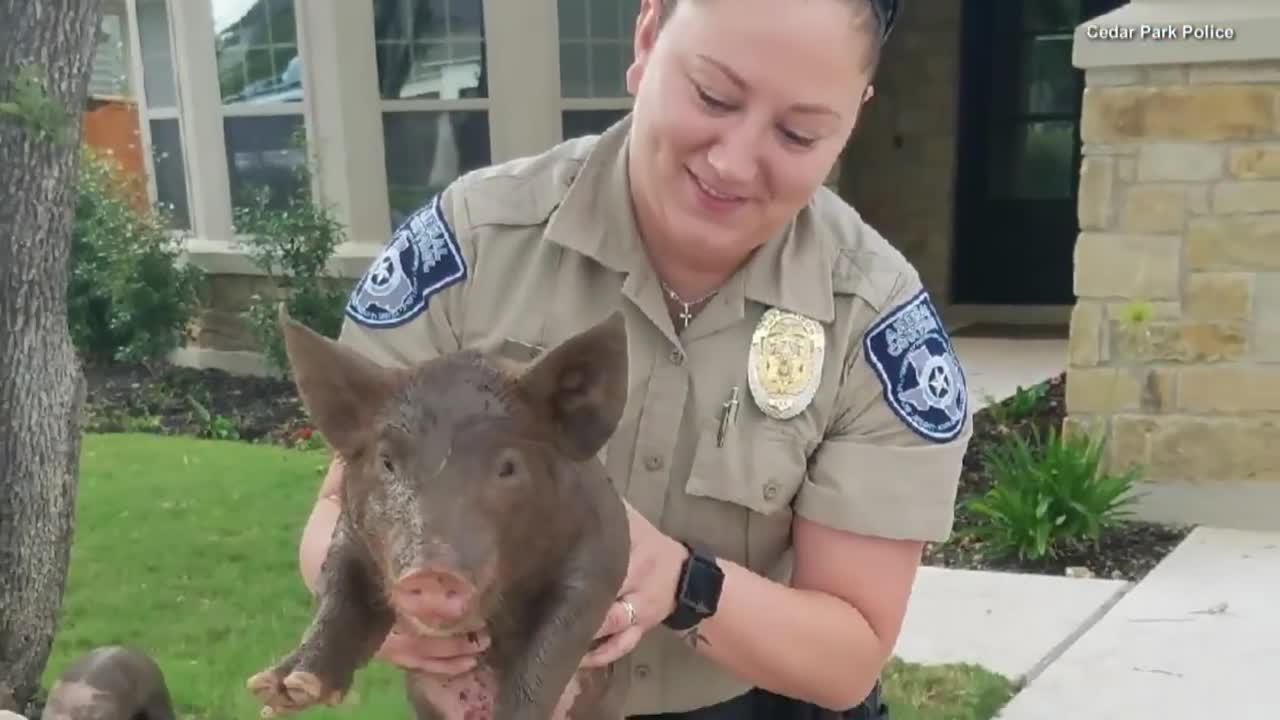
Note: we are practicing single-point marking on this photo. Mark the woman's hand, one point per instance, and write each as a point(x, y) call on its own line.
point(442, 656)
point(647, 596)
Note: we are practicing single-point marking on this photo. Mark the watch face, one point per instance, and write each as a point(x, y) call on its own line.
point(702, 586)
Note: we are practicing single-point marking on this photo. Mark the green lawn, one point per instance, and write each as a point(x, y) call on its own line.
point(188, 548)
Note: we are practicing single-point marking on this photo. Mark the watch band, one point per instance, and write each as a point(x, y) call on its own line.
point(698, 591)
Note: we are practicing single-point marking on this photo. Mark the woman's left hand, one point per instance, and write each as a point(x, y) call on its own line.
point(653, 573)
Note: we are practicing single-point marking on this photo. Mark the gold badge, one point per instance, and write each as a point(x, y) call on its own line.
point(784, 366)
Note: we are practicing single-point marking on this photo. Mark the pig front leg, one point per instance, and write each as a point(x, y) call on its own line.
point(350, 623)
point(531, 688)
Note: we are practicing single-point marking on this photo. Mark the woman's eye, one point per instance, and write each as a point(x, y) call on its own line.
point(712, 101)
point(797, 139)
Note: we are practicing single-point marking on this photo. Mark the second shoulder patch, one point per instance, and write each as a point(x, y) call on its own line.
point(920, 375)
point(422, 259)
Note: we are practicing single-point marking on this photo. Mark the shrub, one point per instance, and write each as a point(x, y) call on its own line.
point(1022, 404)
point(1048, 496)
point(130, 297)
point(292, 243)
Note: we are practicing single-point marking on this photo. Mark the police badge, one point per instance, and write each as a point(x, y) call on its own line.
point(784, 365)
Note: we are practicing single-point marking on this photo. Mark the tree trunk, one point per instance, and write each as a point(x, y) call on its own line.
point(41, 384)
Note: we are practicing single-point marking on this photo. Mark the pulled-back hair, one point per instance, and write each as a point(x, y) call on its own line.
point(878, 17)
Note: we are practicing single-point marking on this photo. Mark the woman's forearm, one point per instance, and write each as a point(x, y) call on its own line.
point(801, 644)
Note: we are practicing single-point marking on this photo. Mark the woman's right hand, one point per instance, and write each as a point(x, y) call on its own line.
point(442, 656)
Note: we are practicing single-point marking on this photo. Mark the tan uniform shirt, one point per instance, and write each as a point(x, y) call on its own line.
point(530, 252)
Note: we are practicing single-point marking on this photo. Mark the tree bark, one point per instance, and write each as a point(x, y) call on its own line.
point(41, 382)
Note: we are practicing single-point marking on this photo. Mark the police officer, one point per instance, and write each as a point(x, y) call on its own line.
point(796, 417)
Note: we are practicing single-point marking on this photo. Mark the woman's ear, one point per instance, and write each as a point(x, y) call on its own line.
point(648, 20)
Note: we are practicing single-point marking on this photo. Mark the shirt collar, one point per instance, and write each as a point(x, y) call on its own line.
point(792, 271)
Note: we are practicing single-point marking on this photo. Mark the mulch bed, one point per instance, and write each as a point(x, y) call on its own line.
point(187, 401)
point(1127, 552)
point(215, 404)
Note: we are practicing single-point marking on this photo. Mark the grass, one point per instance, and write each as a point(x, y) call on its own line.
point(944, 692)
point(188, 548)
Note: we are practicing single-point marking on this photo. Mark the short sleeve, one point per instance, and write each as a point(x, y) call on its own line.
point(890, 463)
point(404, 308)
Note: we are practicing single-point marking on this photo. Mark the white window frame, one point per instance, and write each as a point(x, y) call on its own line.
point(342, 113)
point(569, 103)
point(147, 113)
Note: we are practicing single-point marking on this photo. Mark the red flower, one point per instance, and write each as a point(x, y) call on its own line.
point(304, 433)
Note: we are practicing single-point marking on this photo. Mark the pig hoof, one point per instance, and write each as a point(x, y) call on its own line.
point(296, 691)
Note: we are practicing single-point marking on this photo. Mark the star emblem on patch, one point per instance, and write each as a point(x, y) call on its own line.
point(919, 373)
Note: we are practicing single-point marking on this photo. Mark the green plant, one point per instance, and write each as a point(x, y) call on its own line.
point(1049, 494)
point(1021, 404)
point(25, 99)
point(292, 241)
point(130, 297)
point(216, 427)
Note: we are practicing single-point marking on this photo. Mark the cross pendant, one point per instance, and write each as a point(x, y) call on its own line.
point(685, 315)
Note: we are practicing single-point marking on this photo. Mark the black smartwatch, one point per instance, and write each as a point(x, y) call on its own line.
point(698, 592)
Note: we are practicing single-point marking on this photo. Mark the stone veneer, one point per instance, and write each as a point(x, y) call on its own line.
point(1179, 216)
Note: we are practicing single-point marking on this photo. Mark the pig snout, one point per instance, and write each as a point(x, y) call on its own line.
point(435, 597)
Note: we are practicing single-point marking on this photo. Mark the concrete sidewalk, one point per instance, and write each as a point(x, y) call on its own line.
point(1009, 623)
point(996, 367)
point(1199, 637)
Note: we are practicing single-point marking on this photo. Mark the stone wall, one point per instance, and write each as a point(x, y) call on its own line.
point(1175, 339)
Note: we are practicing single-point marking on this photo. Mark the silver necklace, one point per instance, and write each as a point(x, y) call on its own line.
point(685, 314)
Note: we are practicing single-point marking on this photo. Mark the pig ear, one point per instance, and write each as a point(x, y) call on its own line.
point(580, 387)
point(341, 388)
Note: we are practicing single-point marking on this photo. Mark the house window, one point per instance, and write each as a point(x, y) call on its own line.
point(432, 78)
point(596, 39)
point(260, 82)
point(161, 112)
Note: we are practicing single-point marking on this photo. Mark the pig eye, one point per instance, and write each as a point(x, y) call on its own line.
point(508, 465)
point(386, 464)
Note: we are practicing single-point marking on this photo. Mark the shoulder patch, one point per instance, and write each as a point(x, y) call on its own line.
point(919, 373)
point(422, 259)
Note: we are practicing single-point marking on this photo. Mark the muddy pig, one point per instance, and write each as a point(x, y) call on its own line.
point(110, 683)
point(471, 493)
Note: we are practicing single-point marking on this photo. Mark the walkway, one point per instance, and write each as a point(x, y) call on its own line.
point(1199, 637)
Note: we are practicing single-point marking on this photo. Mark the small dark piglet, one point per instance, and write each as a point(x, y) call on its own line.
point(110, 683)
point(472, 494)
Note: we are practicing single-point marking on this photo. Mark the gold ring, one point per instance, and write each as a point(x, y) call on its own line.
point(631, 611)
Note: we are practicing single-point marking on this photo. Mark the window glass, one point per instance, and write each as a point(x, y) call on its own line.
point(430, 48)
point(576, 123)
point(171, 178)
point(257, 51)
point(596, 38)
point(425, 151)
point(1050, 15)
point(1050, 83)
point(157, 56)
point(265, 153)
point(1037, 163)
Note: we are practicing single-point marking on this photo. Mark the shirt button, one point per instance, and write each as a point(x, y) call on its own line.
point(642, 671)
point(770, 491)
point(653, 462)
point(677, 357)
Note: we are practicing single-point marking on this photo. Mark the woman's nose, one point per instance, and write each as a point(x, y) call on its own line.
point(733, 157)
